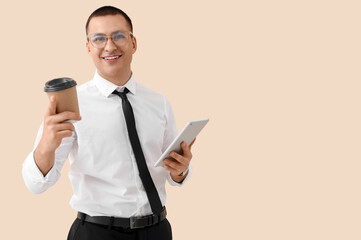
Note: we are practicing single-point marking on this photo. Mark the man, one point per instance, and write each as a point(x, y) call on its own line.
point(112, 193)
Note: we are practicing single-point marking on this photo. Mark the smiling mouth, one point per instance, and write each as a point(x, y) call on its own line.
point(111, 58)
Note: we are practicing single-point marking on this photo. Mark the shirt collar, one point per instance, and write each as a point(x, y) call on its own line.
point(107, 88)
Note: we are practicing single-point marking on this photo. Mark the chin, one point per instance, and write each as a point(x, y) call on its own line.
point(111, 73)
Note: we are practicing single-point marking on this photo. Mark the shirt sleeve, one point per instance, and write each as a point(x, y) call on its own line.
point(35, 181)
point(170, 134)
point(173, 183)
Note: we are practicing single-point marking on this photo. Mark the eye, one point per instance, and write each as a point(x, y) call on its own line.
point(98, 39)
point(118, 36)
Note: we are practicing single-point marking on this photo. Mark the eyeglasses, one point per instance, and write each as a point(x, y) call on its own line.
point(99, 40)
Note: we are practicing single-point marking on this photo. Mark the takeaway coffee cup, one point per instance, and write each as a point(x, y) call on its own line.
point(64, 91)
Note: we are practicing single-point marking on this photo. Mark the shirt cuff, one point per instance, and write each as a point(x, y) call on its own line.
point(173, 183)
point(33, 173)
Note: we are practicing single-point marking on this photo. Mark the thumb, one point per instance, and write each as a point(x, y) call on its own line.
point(51, 110)
point(190, 145)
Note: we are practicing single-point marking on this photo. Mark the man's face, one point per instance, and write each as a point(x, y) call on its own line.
point(112, 60)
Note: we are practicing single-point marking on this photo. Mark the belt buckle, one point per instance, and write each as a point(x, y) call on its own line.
point(133, 221)
point(150, 220)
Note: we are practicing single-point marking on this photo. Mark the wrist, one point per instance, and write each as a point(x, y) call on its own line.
point(44, 157)
point(177, 178)
point(44, 148)
point(184, 173)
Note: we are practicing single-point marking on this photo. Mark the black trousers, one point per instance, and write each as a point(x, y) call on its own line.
point(91, 231)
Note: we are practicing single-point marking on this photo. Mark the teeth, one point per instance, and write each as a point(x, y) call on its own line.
point(110, 58)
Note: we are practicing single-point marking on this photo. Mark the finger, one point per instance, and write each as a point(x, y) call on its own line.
point(186, 151)
point(173, 164)
point(64, 126)
point(190, 145)
point(172, 170)
point(51, 110)
point(179, 158)
point(64, 116)
point(64, 133)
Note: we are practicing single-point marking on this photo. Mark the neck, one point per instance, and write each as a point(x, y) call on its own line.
point(118, 79)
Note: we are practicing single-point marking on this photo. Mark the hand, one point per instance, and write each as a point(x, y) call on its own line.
point(55, 129)
point(180, 162)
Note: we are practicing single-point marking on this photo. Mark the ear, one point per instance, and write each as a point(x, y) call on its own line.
point(134, 43)
point(88, 47)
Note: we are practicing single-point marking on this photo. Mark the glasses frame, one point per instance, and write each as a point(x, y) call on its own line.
point(107, 37)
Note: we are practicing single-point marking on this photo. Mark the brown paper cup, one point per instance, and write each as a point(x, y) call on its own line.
point(64, 90)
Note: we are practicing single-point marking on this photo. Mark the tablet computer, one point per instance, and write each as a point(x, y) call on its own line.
point(187, 135)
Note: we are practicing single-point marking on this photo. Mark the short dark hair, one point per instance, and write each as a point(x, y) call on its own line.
point(108, 10)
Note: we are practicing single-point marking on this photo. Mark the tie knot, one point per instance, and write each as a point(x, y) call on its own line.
point(123, 94)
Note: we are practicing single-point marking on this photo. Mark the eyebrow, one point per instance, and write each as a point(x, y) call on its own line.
point(97, 34)
point(102, 34)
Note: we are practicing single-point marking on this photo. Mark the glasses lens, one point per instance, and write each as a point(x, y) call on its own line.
point(98, 40)
point(119, 37)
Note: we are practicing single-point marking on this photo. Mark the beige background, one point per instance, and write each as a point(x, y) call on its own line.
point(280, 81)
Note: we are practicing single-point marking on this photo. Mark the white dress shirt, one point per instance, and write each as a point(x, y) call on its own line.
point(104, 173)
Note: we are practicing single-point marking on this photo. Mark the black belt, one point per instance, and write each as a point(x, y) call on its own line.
point(132, 223)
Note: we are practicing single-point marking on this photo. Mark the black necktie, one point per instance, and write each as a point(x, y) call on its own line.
point(144, 174)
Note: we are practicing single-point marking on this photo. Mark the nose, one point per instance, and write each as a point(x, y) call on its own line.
point(109, 45)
